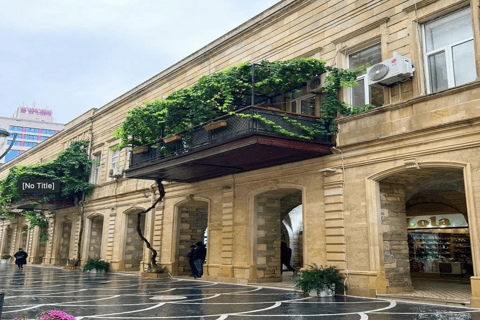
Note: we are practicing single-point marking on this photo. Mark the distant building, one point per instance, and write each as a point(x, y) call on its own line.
point(32, 126)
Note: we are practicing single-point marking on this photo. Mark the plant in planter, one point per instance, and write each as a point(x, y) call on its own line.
point(5, 258)
point(52, 315)
point(96, 265)
point(72, 264)
point(320, 279)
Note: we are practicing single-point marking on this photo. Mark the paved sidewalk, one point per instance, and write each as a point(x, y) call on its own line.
point(115, 296)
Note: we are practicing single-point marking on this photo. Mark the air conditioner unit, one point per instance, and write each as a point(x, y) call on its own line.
point(394, 70)
point(316, 84)
point(116, 172)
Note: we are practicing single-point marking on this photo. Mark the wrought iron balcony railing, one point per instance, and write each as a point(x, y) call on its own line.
point(237, 127)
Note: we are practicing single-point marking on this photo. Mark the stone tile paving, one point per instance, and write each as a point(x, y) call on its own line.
point(115, 296)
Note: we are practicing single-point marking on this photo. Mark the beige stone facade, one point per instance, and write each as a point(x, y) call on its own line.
point(354, 218)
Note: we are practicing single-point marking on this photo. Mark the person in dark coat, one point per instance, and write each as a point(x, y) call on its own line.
point(286, 256)
point(199, 258)
point(190, 260)
point(20, 258)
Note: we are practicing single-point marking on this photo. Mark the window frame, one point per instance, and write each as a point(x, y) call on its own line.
point(366, 87)
point(447, 49)
point(97, 162)
point(114, 160)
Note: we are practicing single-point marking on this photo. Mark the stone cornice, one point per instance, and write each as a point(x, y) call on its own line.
point(361, 30)
point(415, 5)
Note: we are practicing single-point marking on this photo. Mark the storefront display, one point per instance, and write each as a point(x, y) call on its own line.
point(444, 250)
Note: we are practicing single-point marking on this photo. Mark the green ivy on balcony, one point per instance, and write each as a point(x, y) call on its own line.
point(229, 90)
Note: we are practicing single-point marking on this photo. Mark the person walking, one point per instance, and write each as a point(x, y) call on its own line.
point(20, 258)
point(199, 258)
point(285, 257)
point(190, 260)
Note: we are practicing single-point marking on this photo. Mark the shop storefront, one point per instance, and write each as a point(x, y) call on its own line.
point(439, 245)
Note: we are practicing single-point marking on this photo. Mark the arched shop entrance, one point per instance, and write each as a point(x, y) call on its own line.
point(426, 235)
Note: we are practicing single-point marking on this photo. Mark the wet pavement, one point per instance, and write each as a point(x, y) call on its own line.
point(114, 296)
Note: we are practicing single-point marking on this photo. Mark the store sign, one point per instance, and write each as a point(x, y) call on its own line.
point(38, 186)
point(438, 221)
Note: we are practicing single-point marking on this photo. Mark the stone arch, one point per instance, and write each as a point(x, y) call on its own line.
point(374, 209)
point(269, 207)
point(133, 246)
point(190, 224)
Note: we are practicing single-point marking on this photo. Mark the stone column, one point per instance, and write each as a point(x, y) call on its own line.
point(87, 230)
point(226, 269)
point(33, 255)
point(4, 240)
point(113, 252)
point(51, 234)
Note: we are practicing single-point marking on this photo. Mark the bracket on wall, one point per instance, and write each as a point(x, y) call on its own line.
point(411, 164)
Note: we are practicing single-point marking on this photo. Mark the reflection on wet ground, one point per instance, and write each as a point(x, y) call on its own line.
point(114, 296)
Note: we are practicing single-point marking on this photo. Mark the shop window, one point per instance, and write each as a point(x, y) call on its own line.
point(449, 52)
point(363, 93)
point(96, 161)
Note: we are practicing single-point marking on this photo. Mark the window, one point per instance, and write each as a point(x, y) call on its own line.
point(9, 142)
point(11, 154)
point(33, 130)
point(96, 161)
point(44, 138)
point(30, 137)
point(29, 144)
point(45, 131)
point(14, 128)
point(300, 101)
point(114, 160)
point(363, 94)
point(449, 52)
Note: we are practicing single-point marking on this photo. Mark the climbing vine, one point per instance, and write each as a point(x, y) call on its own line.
point(227, 91)
point(71, 168)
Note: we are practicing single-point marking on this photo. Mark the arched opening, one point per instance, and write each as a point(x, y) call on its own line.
point(96, 234)
point(65, 237)
point(425, 227)
point(192, 228)
point(133, 243)
point(277, 215)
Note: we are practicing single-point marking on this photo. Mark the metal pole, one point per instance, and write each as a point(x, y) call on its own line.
point(253, 84)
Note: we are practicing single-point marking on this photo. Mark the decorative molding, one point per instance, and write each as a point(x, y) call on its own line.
point(361, 30)
point(411, 164)
point(418, 5)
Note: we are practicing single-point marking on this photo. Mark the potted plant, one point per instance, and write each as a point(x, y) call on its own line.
point(96, 266)
point(157, 271)
point(52, 315)
point(215, 125)
point(320, 280)
point(4, 258)
point(172, 138)
point(138, 150)
point(72, 264)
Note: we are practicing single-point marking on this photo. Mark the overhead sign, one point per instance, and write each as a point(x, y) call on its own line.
point(38, 186)
point(437, 221)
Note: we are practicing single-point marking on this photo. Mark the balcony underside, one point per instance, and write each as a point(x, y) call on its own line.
point(248, 153)
point(26, 204)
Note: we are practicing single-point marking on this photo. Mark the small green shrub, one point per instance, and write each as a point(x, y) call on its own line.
point(318, 278)
point(5, 256)
point(72, 262)
point(96, 264)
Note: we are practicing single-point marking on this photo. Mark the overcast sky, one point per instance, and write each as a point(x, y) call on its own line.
point(71, 56)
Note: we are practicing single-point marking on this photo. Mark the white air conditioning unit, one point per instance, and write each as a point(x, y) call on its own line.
point(394, 70)
point(116, 172)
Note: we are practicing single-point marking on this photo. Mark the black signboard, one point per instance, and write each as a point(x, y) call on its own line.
point(38, 186)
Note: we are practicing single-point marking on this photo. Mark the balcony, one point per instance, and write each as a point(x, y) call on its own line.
point(25, 203)
point(240, 144)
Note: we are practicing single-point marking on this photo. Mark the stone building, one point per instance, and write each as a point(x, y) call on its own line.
point(412, 159)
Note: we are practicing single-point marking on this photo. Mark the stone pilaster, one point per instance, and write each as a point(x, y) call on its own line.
point(110, 235)
point(226, 269)
point(50, 233)
point(334, 219)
